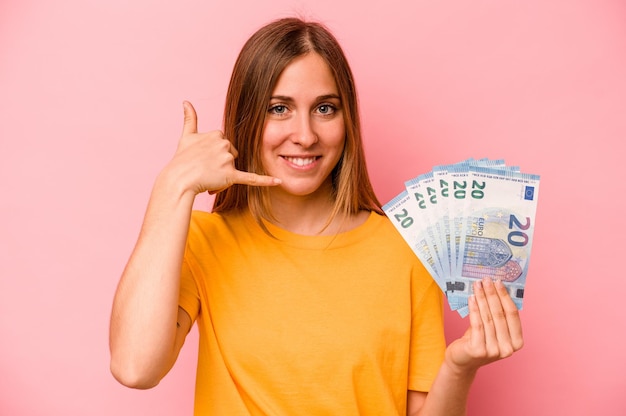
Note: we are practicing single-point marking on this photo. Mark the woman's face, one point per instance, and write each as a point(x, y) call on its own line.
point(304, 132)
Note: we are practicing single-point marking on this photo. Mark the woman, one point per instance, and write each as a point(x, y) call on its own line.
point(307, 300)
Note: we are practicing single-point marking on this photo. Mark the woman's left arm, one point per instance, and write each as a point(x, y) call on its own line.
point(495, 332)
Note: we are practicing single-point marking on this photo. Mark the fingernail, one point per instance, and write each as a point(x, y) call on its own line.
point(472, 299)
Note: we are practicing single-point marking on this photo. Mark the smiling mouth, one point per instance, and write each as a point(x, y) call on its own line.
point(301, 161)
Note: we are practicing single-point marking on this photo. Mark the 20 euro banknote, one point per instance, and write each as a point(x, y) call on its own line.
point(497, 232)
point(405, 216)
point(467, 221)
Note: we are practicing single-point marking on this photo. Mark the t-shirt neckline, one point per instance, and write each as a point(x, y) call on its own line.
point(318, 242)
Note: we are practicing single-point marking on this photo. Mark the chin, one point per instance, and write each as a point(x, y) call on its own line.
point(296, 189)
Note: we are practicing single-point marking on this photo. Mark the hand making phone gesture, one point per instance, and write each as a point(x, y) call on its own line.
point(147, 326)
point(205, 161)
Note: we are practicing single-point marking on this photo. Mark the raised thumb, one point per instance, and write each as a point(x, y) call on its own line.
point(191, 119)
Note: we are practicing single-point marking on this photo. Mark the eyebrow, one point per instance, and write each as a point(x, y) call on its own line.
point(319, 98)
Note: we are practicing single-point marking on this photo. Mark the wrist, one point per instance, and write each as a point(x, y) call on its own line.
point(169, 188)
point(457, 371)
point(171, 182)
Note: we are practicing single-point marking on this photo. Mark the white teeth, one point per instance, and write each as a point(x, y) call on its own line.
point(301, 161)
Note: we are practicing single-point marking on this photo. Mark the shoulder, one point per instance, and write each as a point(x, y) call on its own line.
point(215, 225)
point(382, 228)
point(390, 241)
point(381, 233)
point(203, 219)
point(202, 222)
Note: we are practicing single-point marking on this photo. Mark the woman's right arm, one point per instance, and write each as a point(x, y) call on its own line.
point(147, 326)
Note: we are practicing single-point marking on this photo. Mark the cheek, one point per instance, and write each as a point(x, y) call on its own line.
point(336, 136)
point(265, 156)
point(267, 151)
point(271, 137)
point(330, 131)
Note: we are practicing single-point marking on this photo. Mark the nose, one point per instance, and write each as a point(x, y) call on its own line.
point(303, 132)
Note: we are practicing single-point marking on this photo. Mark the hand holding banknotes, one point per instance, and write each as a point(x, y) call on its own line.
point(494, 333)
point(495, 330)
point(471, 225)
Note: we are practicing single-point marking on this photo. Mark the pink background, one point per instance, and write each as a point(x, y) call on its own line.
point(90, 110)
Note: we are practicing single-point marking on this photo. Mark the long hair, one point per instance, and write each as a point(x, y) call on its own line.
point(255, 74)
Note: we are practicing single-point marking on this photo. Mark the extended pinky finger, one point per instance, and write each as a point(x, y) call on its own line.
point(248, 178)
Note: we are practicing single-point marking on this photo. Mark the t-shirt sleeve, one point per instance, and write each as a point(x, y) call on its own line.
point(188, 298)
point(428, 342)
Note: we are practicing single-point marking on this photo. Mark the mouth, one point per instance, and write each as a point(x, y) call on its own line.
point(301, 161)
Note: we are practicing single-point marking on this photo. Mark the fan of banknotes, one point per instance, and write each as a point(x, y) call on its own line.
point(470, 220)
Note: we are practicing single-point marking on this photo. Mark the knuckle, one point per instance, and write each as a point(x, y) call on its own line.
point(478, 353)
point(493, 352)
point(224, 144)
point(506, 351)
point(499, 314)
point(228, 158)
point(479, 326)
point(512, 314)
point(252, 179)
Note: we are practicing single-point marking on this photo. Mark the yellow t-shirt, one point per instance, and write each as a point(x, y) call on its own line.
point(315, 325)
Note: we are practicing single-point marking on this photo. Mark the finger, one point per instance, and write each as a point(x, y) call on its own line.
point(511, 312)
point(190, 124)
point(477, 334)
point(249, 178)
point(499, 318)
point(233, 151)
point(491, 341)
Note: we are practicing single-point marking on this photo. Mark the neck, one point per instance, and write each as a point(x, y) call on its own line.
point(310, 214)
point(306, 215)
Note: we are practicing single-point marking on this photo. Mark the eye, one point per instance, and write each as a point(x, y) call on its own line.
point(326, 109)
point(277, 109)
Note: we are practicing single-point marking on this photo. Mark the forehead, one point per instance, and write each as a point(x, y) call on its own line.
point(306, 75)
